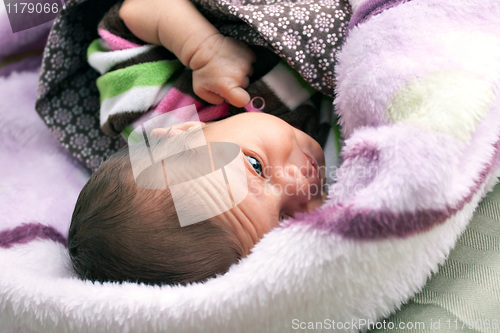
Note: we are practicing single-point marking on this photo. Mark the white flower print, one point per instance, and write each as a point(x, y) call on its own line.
point(258, 15)
point(299, 14)
point(307, 30)
point(315, 47)
point(69, 97)
point(70, 129)
point(56, 103)
point(57, 59)
point(314, 7)
point(340, 14)
point(93, 133)
point(300, 56)
point(78, 141)
point(332, 39)
point(101, 143)
point(274, 10)
point(324, 22)
point(341, 29)
point(291, 39)
point(246, 18)
point(49, 121)
point(93, 161)
point(283, 22)
point(86, 151)
point(119, 144)
point(327, 80)
point(84, 92)
point(44, 108)
point(62, 116)
point(49, 75)
point(233, 10)
point(67, 64)
point(323, 64)
point(85, 122)
point(269, 30)
point(77, 110)
point(59, 133)
point(308, 71)
point(329, 3)
point(249, 8)
point(333, 55)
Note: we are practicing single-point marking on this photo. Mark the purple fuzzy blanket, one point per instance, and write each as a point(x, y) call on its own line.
point(422, 149)
point(39, 181)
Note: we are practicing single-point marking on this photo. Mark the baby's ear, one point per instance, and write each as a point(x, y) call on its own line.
point(175, 129)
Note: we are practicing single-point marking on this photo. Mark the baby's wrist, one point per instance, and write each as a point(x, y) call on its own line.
point(198, 48)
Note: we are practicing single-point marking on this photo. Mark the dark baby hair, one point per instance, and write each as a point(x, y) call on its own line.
point(122, 232)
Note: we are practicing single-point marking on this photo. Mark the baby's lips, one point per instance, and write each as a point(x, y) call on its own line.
point(314, 176)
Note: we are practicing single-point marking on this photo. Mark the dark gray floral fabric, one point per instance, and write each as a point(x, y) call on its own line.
point(306, 33)
point(67, 97)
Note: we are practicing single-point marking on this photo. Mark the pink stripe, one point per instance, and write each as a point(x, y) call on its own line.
point(175, 99)
point(114, 42)
point(214, 112)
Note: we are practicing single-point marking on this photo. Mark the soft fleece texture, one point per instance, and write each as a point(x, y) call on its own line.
point(415, 166)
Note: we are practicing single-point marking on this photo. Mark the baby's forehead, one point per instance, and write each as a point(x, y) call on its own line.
point(204, 178)
point(204, 181)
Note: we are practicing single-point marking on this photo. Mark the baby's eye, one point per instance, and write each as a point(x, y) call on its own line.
point(255, 164)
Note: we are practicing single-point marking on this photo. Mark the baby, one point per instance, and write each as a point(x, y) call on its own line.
point(122, 232)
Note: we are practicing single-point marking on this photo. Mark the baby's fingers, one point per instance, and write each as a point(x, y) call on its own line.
point(216, 92)
point(209, 96)
point(237, 96)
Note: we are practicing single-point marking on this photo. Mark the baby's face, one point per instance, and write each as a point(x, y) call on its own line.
point(284, 170)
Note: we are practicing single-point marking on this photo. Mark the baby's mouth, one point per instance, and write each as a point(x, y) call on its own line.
point(314, 176)
point(314, 164)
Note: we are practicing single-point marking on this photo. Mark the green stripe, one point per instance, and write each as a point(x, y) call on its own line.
point(94, 47)
point(337, 134)
point(127, 131)
point(141, 75)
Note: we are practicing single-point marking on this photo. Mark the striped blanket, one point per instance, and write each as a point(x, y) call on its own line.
point(285, 27)
point(140, 81)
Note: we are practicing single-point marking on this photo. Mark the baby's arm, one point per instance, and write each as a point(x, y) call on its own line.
point(220, 64)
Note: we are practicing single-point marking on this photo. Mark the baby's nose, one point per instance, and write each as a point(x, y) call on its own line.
point(294, 172)
point(299, 195)
point(294, 185)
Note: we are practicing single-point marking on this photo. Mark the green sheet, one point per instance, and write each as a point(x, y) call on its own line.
point(464, 295)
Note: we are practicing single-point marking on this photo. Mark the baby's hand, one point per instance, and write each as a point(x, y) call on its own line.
point(221, 66)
